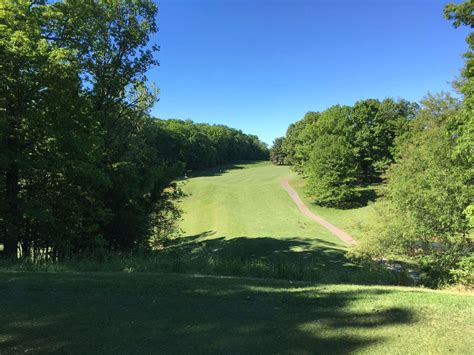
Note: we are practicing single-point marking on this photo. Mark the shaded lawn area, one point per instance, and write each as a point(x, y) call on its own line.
point(296, 258)
point(172, 313)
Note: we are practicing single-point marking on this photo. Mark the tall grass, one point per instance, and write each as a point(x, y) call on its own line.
point(211, 264)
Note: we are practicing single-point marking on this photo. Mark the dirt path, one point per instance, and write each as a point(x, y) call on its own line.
point(344, 236)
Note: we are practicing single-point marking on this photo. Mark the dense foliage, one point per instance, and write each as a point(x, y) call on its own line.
point(359, 141)
point(298, 141)
point(427, 213)
point(332, 169)
point(277, 153)
point(422, 215)
point(84, 168)
point(423, 154)
point(201, 145)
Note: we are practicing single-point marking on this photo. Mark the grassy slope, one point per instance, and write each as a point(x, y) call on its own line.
point(244, 219)
point(351, 220)
point(171, 313)
point(246, 201)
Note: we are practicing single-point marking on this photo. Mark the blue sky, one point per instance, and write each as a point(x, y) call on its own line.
point(259, 65)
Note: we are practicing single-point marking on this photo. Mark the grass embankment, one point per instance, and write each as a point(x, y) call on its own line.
point(173, 313)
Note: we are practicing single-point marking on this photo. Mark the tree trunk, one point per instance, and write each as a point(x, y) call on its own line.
point(12, 189)
point(12, 229)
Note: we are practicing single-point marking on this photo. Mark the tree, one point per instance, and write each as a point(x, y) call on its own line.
point(202, 145)
point(73, 108)
point(462, 14)
point(332, 172)
point(426, 213)
point(298, 142)
point(277, 154)
point(112, 42)
point(375, 127)
point(372, 128)
point(332, 168)
point(369, 131)
point(19, 43)
point(422, 214)
point(42, 123)
point(84, 168)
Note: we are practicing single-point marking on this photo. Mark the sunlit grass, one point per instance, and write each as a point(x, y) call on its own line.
point(246, 201)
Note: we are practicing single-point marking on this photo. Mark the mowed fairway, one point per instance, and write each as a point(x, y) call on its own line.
point(247, 201)
point(242, 222)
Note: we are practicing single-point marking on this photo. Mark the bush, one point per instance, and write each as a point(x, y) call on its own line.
point(463, 273)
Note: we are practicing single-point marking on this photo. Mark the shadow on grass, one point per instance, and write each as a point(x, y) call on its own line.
point(221, 169)
point(298, 258)
point(366, 196)
point(282, 258)
point(170, 313)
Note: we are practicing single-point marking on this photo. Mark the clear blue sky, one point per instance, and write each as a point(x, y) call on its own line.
point(259, 65)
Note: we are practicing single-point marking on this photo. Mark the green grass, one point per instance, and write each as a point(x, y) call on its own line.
point(246, 200)
point(172, 313)
point(240, 221)
point(352, 220)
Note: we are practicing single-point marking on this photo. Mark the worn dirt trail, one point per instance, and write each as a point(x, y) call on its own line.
point(344, 236)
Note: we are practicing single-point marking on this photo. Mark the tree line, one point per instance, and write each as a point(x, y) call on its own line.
point(423, 153)
point(201, 145)
point(84, 167)
point(344, 146)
